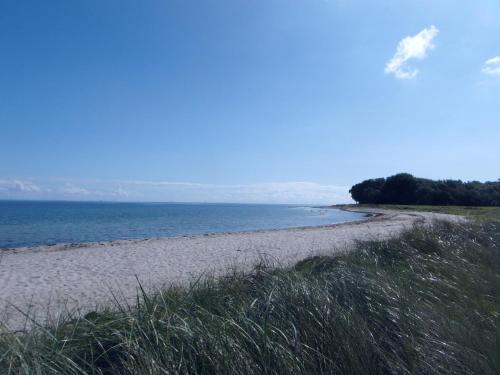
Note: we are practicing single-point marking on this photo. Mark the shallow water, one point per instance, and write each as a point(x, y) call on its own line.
point(29, 223)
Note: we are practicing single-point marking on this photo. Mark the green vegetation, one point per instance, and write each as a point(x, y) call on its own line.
point(403, 188)
point(480, 214)
point(426, 302)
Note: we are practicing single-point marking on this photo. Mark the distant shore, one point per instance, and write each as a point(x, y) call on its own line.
point(50, 280)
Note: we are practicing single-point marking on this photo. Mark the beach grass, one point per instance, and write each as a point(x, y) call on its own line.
point(426, 302)
point(476, 213)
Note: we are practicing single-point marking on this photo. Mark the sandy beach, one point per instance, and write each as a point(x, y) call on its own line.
point(49, 280)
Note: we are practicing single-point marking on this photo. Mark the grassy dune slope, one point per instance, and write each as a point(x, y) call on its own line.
point(427, 302)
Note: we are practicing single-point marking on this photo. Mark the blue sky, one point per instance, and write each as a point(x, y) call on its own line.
point(231, 100)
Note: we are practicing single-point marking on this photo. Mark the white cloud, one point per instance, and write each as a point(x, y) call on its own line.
point(279, 192)
point(74, 190)
point(19, 186)
point(121, 192)
point(25, 186)
point(492, 66)
point(166, 191)
point(411, 47)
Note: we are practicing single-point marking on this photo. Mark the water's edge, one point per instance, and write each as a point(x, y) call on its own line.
point(367, 216)
point(30, 224)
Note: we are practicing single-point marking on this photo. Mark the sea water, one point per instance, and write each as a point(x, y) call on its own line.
point(32, 223)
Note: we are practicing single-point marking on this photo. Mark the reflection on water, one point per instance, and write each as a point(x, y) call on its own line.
point(39, 223)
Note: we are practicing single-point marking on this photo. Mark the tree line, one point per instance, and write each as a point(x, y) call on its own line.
point(403, 188)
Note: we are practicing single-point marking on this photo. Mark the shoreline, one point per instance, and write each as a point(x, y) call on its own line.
point(50, 282)
point(63, 246)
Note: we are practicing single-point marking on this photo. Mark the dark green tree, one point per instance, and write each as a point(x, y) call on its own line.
point(403, 188)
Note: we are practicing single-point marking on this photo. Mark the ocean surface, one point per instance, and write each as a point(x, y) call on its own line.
point(29, 223)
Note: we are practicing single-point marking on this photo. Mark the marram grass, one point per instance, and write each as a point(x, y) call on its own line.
point(424, 303)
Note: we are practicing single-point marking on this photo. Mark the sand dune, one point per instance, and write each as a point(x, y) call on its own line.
point(48, 280)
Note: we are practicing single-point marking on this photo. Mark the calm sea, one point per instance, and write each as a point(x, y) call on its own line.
point(27, 223)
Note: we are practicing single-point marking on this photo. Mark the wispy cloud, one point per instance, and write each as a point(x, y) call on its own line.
point(19, 186)
point(492, 66)
point(71, 189)
point(167, 191)
point(411, 48)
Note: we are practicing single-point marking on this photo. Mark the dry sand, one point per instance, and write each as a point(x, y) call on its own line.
point(48, 280)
